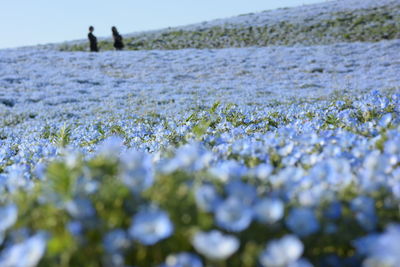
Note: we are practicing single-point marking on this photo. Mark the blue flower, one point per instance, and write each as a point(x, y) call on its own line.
point(183, 259)
point(392, 146)
point(262, 171)
point(40, 171)
point(302, 221)
point(111, 147)
point(5, 154)
point(242, 191)
point(214, 245)
point(282, 252)
point(269, 210)
point(191, 157)
point(335, 171)
point(114, 260)
point(365, 244)
point(75, 228)
point(368, 221)
point(80, 208)
point(18, 176)
point(364, 208)
point(300, 263)
point(149, 227)
point(363, 204)
point(227, 170)
point(8, 217)
point(385, 120)
point(233, 215)
point(207, 197)
point(25, 254)
point(333, 211)
point(385, 251)
point(115, 241)
point(136, 171)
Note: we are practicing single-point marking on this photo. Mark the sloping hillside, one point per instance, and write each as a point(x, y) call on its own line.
point(324, 23)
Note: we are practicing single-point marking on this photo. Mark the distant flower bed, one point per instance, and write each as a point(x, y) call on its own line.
point(299, 184)
point(369, 25)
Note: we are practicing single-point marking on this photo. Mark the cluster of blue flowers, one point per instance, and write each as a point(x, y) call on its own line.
point(299, 185)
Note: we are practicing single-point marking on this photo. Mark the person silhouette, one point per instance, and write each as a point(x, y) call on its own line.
point(118, 44)
point(92, 40)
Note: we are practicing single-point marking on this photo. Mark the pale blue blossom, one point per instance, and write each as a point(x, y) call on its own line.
point(190, 157)
point(263, 171)
point(18, 176)
point(365, 244)
point(385, 120)
point(333, 210)
point(227, 170)
point(214, 245)
point(282, 252)
point(183, 259)
point(385, 251)
point(151, 226)
point(233, 215)
point(115, 241)
point(137, 171)
point(302, 221)
point(207, 197)
point(111, 147)
point(76, 228)
point(364, 208)
point(25, 254)
point(269, 210)
point(392, 146)
point(40, 171)
point(80, 208)
point(244, 192)
point(8, 215)
point(300, 263)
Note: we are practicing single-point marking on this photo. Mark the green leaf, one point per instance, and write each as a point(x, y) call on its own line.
point(213, 109)
point(63, 137)
point(60, 179)
point(201, 128)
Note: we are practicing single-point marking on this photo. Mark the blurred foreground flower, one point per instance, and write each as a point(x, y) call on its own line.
point(111, 147)
point(207, 197)
point(214, 245)
point(385, 251)
point(8, 216)
point(136, 171)
point(302, 221)
point(149, 227)
point(25, 254)
point(282, 252)
point(233, 215)
point(183, 259)
point(269, 210)
point(116, 241)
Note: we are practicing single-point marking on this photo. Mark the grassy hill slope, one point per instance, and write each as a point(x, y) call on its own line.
point(307, 25)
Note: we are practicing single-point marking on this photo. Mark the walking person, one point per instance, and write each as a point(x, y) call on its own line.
point(118, 44)
point(92, 40)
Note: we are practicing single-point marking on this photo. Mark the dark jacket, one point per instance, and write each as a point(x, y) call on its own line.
point(93, 42)
point(118, 44)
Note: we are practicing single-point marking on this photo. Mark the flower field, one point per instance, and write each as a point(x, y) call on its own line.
point(260, 156)
point(328, 22)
